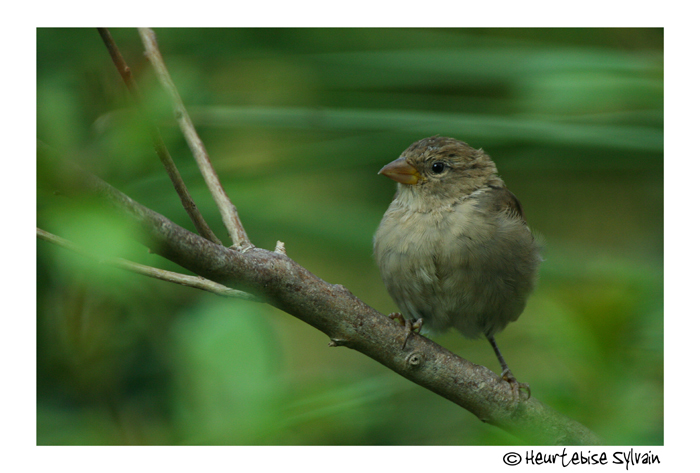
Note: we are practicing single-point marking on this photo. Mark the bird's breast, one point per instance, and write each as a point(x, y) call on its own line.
point(427, 259)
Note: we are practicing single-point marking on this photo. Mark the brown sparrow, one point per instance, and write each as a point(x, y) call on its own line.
point(454, 249)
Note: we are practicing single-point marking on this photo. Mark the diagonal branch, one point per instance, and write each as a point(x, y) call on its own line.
point(226, 208)
point(161, 150)
point(347, 320)
point(196, 282)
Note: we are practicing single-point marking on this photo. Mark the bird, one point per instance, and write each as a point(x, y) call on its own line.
point(454, 249)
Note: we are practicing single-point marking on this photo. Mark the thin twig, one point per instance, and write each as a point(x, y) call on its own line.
point(228, 211)
point(161, 150)
point(279, 248)
point(196, 282)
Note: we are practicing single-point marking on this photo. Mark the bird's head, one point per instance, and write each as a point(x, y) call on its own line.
point(439, 171)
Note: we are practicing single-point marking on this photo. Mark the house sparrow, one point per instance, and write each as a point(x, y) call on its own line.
point(454, 249)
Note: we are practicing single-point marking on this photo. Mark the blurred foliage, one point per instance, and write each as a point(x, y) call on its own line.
point(298, 122)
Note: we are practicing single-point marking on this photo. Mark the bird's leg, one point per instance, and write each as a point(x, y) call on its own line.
point(410, 325)
point(507, 375)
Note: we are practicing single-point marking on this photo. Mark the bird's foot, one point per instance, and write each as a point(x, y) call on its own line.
point(515, 385)
point(410, 325)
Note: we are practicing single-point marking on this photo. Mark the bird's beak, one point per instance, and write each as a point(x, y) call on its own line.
point(400, 171)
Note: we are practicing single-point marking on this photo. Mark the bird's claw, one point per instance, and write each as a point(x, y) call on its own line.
point(516, 386)
point(410, 324)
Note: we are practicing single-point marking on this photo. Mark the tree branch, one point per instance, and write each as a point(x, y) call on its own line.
point(161, 150)
point(347, 320)
point(196, 282)
point(226, 208)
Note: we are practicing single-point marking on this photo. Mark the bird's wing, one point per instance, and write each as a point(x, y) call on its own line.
point(503, 200)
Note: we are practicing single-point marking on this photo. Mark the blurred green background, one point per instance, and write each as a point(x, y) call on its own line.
point(298, 122)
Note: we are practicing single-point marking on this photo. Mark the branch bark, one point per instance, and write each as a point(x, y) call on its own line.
point(196, 282)
point(349, 322)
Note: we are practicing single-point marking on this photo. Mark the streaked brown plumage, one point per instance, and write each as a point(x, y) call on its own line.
point(454, 249)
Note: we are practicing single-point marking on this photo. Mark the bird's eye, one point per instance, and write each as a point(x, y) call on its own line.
point(437, 167)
